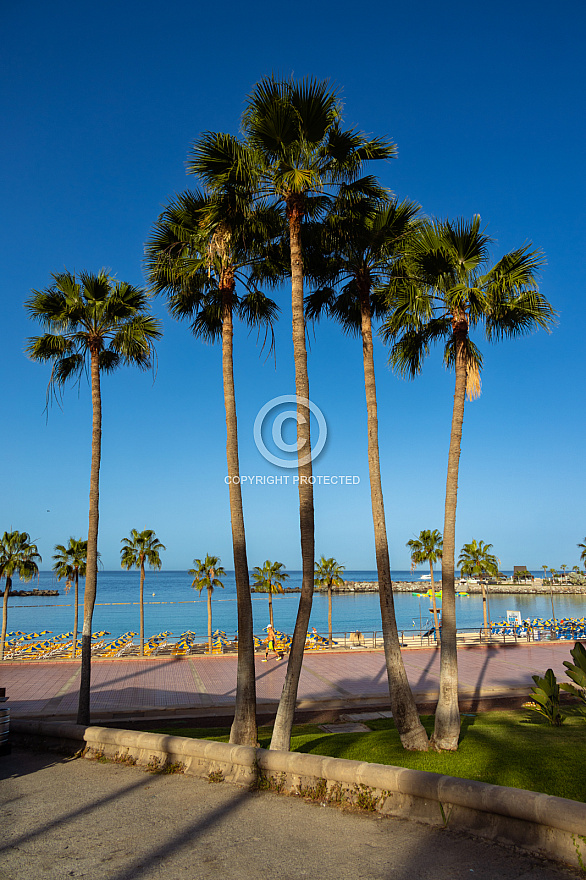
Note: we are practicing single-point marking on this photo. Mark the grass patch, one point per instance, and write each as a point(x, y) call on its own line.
point(513, 748)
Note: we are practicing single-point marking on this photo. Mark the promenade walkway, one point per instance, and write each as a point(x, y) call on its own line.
point(205, 686)
point(64, 818)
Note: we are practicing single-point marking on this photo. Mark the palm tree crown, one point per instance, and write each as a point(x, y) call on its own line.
point(445, 288)
point(140, 549)
point(20, 556)
point(476, 560)
point(91, 314)
point(428, 547)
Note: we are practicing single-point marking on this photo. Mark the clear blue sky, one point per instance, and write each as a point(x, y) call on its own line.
point(100, 104)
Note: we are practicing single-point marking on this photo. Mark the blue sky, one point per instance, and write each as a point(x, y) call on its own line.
point(100, 105)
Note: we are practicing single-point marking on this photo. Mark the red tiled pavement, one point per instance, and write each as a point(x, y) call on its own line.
point(196, 683)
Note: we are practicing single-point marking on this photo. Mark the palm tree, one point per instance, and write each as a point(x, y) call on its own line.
point(93, 324)
point(363, 236)
point(140, 548)
point(202, 244)
point(269, 578)
point(428, 547)
point(18, 555)
point(582, 547)
point(444, 290)
point(476, 560)
point(206, 574)
point(328, 574)
point(563, 568)
point(295, 129)
point(544, 567)
point(70, 563)
point(552, 573)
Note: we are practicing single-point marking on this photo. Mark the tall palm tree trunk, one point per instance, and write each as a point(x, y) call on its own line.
point(281, 738)
point(91, 580)
point(4, 616)
point(447, 714)
point(484, 610)
point(405, 716)
point(141, 600)
point(330, 614)
point(75, 613)
point(244, 729)
point(271, 607)
point(434, 605)
point(209, 620)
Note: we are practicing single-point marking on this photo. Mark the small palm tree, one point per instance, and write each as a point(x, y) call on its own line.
point(140, 549)
point(582, 547)
point(305, 155)
point(563, 568)
point(94, 324)
point(552, 573)
point(445, 289)
point(206, 574)
point(20, 556)
point(328, 573)
point(428, 547)
point(269, 578)
point(476, 560)
point(71, 562)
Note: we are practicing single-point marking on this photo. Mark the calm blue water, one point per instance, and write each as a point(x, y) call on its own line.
point(176, 607)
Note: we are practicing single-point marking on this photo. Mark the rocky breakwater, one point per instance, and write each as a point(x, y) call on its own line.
point(34, 593)
point(366, 587)
point(505, 587)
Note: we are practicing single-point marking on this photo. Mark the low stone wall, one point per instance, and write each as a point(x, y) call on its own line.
point(549, 826)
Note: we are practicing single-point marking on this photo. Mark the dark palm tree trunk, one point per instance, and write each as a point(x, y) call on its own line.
point(91, 580)
point(434, 605)
point(209, 620)
point(244, 729)
point(447, 715)
point(271, 607)
point(4, 616)
point(330, 613)
point(141, 600)
point(405, 716)
point(484, 610)
point(281, 738)
point(75, 613)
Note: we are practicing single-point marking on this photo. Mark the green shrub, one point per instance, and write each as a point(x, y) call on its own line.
point(546, 698)
point(577, 672)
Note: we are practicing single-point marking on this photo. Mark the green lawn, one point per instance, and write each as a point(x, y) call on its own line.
point(515, 748)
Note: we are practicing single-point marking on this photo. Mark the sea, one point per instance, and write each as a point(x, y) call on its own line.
point(171, 604)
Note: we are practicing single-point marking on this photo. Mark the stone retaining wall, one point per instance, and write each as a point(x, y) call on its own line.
point(549, 826)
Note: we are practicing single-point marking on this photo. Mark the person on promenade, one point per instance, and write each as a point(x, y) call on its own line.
point(270, 643)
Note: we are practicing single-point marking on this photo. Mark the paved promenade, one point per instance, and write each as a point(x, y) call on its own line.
point(200, 686)
point(63, 819)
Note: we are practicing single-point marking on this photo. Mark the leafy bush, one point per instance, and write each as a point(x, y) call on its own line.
point(546, 698)
point(577, 672)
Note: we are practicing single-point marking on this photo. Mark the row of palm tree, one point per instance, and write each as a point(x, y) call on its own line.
point(291, 199)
